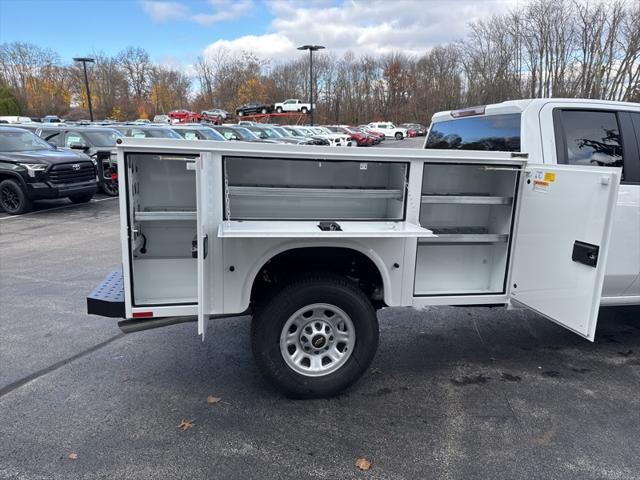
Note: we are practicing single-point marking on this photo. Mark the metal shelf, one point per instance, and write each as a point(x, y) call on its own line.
point(164, 216)
point(465, 238)
point(241, 191)
point(467, 199)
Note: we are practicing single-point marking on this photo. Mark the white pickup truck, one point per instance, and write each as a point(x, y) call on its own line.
point(589, 133)
point(312, 241)
point(292, 105)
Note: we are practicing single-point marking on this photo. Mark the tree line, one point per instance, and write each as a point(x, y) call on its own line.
point(547, 48)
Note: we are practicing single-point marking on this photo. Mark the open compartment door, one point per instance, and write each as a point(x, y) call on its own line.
point(561, 241)
point(209, 208)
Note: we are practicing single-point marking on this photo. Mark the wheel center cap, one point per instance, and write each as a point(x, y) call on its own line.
point(318, 341)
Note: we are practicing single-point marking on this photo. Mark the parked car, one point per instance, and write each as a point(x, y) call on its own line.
point(420, 130)
point(51, 119)
point(293, 105)
point(254, 108)
point(15, 119)
point(389, 130)
point(336, 139)
point(147, 131)
point(97, 142)
point(215, 112)
point(377, 135)
point(308, 133)
point(161, 119)
point(362, 139)
point(197, 132)
point(32, 169)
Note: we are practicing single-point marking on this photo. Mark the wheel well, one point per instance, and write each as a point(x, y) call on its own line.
point(346, 262)
point(10, 176)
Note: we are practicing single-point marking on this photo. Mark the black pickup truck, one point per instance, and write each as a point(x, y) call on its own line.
point(32, 169)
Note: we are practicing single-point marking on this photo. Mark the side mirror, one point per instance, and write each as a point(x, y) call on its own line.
point(78, 146)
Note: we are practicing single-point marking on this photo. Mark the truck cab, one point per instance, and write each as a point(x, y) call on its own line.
point(581, 132)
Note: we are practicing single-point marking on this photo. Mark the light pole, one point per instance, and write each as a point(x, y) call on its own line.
point(84, 61)
point(311, 48)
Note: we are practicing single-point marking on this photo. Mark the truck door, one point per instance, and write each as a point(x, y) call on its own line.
point(209, 215)
point(561, 242)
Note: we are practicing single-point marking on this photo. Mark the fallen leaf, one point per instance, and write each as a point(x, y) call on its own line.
point(363, 464)
point(186, 424)
point(211, 399)
point(72, 456)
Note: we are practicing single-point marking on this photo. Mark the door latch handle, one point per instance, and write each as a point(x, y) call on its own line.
point(585, 253)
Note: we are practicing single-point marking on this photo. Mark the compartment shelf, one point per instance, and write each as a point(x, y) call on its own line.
point(467, 199)
point(249, 191)
point(309, 229)
point(465, 238)
point(164, 216)
point(464, 235)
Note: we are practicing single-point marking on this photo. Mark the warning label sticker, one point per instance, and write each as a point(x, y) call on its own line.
point(543, 180)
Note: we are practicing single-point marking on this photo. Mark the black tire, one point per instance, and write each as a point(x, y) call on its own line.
point(263, 111)
point(304, 110)
point(13, 199)
point(81, 198)
point(270, 319)
point(110, 187)
point(399, 136)
point(279, 110)
point(240, 113)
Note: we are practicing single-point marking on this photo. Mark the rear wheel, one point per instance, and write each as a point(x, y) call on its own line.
point(279, 110)
point(110, 187)
point(13, 198)
point(398, 136)
point(81, 198)
point(316, 337)
point(263, 111)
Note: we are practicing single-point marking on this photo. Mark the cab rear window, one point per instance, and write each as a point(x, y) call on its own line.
point(490, 132)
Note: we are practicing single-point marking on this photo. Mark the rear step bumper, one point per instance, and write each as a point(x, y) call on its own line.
point(107, 299)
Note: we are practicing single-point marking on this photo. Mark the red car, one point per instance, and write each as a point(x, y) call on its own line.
point(186, 116)
point(361, 138)
point(378, 137)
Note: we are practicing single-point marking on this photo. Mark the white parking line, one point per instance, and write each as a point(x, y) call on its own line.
point(56, 208)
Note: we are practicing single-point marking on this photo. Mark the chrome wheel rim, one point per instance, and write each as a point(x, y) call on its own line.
point(317, 340)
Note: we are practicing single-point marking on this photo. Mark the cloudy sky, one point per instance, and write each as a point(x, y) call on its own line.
point(178, 31)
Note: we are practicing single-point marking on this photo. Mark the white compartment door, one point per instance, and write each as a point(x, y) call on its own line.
point(209, 216)
point(561, 240)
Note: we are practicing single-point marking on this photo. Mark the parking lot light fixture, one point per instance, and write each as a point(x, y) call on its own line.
point(311, 48)
point(84, 61)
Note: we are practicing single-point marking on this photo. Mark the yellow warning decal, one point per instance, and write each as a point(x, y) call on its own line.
point(549, 176)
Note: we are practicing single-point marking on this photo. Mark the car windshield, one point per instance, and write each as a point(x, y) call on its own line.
point(159, 133)
point(259, 132)
point(21, 142)
point(210, 134)
point(490, 132)
point(272, 133)
point(246, 134)
point(103, 138)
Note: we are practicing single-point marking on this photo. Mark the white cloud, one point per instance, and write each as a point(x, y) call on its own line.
point(218, 11)
point(364, 26)
point(163, 11)
point(223, 11)
point(272, 45)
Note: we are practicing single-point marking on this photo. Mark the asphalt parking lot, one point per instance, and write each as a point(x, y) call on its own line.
point(454, 393)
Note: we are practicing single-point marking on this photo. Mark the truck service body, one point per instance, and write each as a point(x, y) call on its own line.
point(550, 131)
point(312, 241)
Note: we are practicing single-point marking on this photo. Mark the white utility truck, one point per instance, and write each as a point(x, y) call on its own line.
point(312, 241)
point(554, 131)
